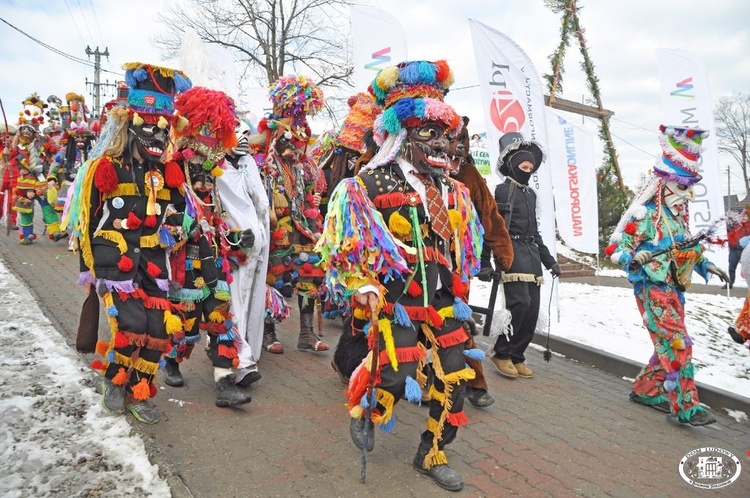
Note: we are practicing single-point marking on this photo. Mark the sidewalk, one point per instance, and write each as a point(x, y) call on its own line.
point(570, 431)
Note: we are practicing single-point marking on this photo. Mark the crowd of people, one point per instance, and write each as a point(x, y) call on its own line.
point(187, 218)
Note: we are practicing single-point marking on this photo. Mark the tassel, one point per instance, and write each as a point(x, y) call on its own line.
point(141, 391)
point(434, 317)
point(461, 310)
point(120, 340)
point(455, 218)
point(112, 310)
point(120, 378)
point(152, 390)
point(151, 221)
point(133, 221)
point(153, 269)
point(98, 365)
point(105, 177)
point(390, 346)
point(216, 316)
point(415, 290)
point(364, 402)
point(398, 224)
point(173, 323)
point(458, 287)
point(413, 391)
point(125, 264)
point(102, 347)
point(474, 354)
point(400, 316)
point(173, 175)
point(388, 426)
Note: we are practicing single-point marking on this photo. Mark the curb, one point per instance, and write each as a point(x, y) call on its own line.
point(623, 367)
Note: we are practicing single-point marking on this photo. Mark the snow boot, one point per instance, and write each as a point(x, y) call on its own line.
point(227, 394)
point(172, 374)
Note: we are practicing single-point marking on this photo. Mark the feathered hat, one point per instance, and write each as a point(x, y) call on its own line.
point(294, 98)
point(362, 113)
point(151, 92)
point(411, 93)
point(681, 154)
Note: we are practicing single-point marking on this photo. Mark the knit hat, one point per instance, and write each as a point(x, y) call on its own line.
point(211, 122)
point(294, 98)
point(411, 94)
point(362, 113)
point(681, 154)
point(151, 91)
point(514, 150)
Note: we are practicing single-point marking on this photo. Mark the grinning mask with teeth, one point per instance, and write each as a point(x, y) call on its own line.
point(288, 147)
point(429, 149)
point(147, 141)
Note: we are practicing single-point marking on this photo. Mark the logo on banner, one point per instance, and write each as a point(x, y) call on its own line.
point(683, 87)
point(379, 58)
point(710, 468)
point(506, 112)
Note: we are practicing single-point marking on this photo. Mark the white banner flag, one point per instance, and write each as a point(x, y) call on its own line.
point(513, 100)
point(571, 158)
point(686, 101)
point(378, 41)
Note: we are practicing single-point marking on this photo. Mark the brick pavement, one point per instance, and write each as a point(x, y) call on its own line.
point(571, 431)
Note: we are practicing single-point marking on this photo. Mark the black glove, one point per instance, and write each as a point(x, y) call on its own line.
point(485, 274)
point(247, 240)
point(555, 270)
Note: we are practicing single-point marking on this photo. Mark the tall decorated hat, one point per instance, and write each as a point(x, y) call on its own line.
point(411, 94)
point(152, 90)
point(210, 128)
point(681, 154)
point(361, 117)
point(33, 112)
point(294, 98)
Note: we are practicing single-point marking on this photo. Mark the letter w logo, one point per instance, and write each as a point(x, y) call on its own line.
point(682, 88)
point(378, 59)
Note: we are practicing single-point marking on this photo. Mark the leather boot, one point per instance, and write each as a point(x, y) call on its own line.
point(227, 393)
point(172, 374)
point(270, 342)
point(307, 340)
point(357, 432)
point(442, 474)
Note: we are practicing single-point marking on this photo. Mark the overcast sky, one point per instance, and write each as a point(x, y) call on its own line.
point(622, 40)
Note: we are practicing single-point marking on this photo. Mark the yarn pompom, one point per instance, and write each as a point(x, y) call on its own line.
point(153, 269)
point(173, 175)
point(125, 264)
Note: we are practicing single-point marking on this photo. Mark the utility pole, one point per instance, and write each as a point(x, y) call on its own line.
point(97, 84)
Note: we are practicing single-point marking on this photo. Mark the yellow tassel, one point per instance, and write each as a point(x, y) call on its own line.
point(280, 200)
point(458, 376)
point(189, 324)
point(216, 316)
point(150, 240)
point(182, 122)
point(446, 312)
point(387, 78)
point(197, 264)
point(147, 367)
point(390, 346)
point(455, 218)
point(172, 322)
point(137, 120)
point(217, 171)
point(162, 123)
point(399, 225)
point(357, 411)
point(199, 283)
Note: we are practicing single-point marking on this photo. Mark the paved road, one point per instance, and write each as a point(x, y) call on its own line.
point(570, 431)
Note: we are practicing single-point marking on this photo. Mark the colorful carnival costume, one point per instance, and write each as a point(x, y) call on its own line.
point(118, 208)
point(652, 243)
point(402, 237)
point(737, 236)
point(201, 266)
point(294, 186)
point(246, 205)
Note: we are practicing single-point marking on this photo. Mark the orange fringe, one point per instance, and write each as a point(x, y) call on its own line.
point(404, 355)
point(457, 419)
point(227, 352)
point(454, 338)
point(145, 341)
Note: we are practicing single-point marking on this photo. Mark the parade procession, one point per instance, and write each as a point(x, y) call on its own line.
point(278, 263)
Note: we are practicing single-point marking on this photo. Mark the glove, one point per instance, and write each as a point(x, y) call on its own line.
point(247, 239)
point(712, 268)
point(555, 270)
point(485, 274)
point(641, 258)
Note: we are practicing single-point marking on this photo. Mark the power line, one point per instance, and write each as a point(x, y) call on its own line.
point(85, 22)
point(75, 25)
point(96, 22)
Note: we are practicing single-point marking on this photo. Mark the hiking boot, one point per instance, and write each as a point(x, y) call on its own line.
point(736, 337)
point(270, 342)
point(228, 395)
point(442, 474)
point(481, 398)
point(702, 417)
point(642, 400)
point(505, 367)
point(59, 236)
point(523, 370)
point(357, 432)
point(172, 375)
point(343, 378)
point(144, 412)
point(307, 340)
point(246, 377)
point(113, 397)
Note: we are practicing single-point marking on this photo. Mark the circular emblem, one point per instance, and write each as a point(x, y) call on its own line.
point(118, 203)
point(710, 468)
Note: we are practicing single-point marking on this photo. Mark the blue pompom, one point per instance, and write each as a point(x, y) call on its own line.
point(388, 426)
point(419, 107)
point(461, 310)
point(111, 356)
point(181, 83)
point(426, 72)
point(410, 74)
point(413, 390)
point(140, 74)
point(278, 284)
point(112, 310)
point(162, 363)
point(364, 403)
point(228, 324)
point(474, 354)
point(404, 108)
point(366, 329)
point(400, 316)
point(391, 123)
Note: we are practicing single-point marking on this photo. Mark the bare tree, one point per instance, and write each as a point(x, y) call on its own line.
point(732, 116)
point(276, 37)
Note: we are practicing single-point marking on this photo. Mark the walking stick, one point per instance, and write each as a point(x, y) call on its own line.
point(9, 168)
point(374, 338)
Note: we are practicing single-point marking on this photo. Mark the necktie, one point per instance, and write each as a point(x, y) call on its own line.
point(438, 214)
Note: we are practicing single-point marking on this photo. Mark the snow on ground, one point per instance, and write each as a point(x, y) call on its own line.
point(607, 318)
point(56, 439)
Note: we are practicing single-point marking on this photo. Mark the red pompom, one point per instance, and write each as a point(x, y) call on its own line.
point(307, 268)
point(442, 72)
point(610, 250)
point(98, 365)
point(458, 287)
point(279, 234)
point(152, 390)
point(153, 269)
point(690, 133)
point(173, 175)
point(414, 290)
point(151, 221)
point(675, 365)
point(105, 177)
point(125, 264)
point(630, 228)
point(120, 340)
point(133, 221)
point(312, 213)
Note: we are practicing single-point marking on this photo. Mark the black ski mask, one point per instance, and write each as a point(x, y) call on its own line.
point(515, 161)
